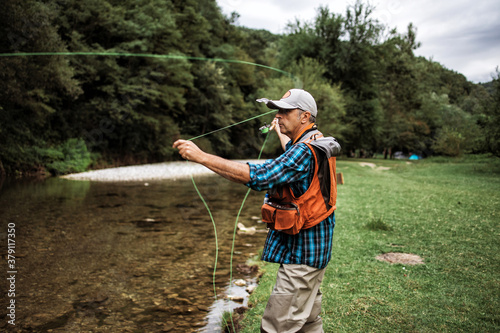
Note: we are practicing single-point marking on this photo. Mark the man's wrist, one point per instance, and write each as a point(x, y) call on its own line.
point(205, 158)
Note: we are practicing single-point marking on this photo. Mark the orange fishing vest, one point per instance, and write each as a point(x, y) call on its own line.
point(286, 212)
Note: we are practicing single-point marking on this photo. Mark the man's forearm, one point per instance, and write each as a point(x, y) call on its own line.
point(234, 171)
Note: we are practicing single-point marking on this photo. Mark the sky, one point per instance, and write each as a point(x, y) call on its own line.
point(462, 35)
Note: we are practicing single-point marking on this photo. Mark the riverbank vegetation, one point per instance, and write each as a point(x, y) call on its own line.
point(373, 93)
point(444, 211)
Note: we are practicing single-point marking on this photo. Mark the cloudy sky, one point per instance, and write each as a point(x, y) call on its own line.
point(462, 35)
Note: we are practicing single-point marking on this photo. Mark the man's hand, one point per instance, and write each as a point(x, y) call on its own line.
point(189, 151)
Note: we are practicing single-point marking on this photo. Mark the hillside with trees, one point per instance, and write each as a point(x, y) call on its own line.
point(68, 113)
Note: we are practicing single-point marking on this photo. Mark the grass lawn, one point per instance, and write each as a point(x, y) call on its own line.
point(447, 212)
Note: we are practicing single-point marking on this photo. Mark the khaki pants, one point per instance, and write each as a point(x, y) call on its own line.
point(295, 303)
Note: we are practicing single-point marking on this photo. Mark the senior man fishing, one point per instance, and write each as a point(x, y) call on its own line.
point(298, 208)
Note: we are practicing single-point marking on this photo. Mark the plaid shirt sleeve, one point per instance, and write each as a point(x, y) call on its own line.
point(291, 167)
point(312, 246)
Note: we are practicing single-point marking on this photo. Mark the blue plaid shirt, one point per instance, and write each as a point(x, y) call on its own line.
point(312, 246)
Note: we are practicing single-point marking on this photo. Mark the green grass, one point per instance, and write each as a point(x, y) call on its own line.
point(447, 212)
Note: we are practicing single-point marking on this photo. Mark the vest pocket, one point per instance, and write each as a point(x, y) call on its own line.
point(268, 213)
point(284, 216)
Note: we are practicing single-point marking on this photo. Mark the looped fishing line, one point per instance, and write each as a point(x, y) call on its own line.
point(170, 56)
point(237, 216)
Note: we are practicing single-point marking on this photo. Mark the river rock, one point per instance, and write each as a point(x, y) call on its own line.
point(240, 282)
point(235, 298)
point(250, 289)
point(242, 230)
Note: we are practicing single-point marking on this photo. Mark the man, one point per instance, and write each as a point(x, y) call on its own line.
point(298, 208)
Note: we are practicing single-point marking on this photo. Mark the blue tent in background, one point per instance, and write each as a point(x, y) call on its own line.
point(414, 157)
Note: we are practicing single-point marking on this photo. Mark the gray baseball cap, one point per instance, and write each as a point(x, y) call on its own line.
point(293, 99)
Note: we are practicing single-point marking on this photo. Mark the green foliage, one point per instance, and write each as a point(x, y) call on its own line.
point(349, 63)
point(372, 92)
point(71, 156)
point(386, 88)
point(32, 90)
point(309, 73)
point(456, 130)
point(449, 142)
point(491, 121)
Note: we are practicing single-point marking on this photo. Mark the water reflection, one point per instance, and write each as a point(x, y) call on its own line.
point(124, 257)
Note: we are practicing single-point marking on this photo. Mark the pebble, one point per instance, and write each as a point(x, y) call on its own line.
point(235, 298)
point(250, 289)
point(240, 282)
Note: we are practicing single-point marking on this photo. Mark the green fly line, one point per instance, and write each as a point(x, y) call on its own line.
point(141, 55)
point(226, 127)
point(234, 230)
point(239, 211)
point(173, 56)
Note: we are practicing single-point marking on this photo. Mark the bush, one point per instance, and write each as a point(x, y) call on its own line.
point(72, 156)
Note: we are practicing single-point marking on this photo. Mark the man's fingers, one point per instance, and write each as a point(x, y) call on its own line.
point(178, 143)
point(187, 149)
point(275, 125)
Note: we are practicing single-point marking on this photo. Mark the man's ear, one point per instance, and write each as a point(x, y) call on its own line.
point(305, 118)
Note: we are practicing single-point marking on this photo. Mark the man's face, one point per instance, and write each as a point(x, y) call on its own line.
point(290, 121)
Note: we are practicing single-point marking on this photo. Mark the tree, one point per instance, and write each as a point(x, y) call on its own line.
point(32, 89)
point(345, 46)
point(458, 131)
point(402, 128)
point(491, 124)
point(130, 105)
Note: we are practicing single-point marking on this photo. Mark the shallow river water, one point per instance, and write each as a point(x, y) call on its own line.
point(122, 256)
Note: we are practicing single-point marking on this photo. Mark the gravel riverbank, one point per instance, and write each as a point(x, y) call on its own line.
point(147, 172)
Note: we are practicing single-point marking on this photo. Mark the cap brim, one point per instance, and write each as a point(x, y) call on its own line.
point(279, 105)
point(275, 105)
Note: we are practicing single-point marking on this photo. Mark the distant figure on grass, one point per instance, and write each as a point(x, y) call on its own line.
point(298, 208)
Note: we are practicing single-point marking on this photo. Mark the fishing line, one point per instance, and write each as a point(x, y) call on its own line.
point(237, 216)
point(236, 226)
point(234, 230)
point(215, 232)
point(172, 56)
point(142, 55)
point(223, 128)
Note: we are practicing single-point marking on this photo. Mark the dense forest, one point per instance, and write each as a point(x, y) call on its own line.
point(67, 113)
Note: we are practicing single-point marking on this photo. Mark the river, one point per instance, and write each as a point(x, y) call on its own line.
point(135, 256)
